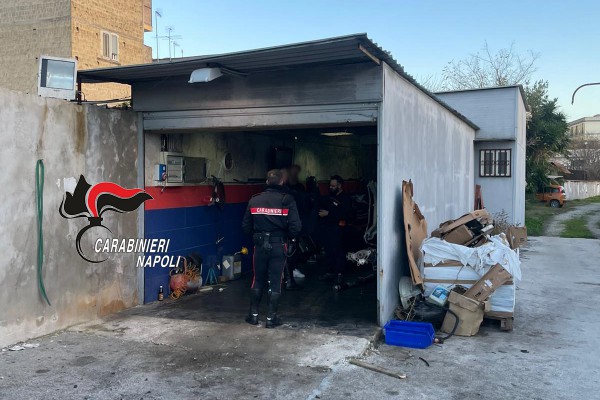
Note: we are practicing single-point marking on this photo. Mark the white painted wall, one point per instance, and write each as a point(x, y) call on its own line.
point(498, 192)
point(423, 141)
point(519, 159)
point(492, 110)
point(501, 115)
point(576, 190)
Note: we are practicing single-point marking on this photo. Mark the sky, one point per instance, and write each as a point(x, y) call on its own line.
point(422, 35)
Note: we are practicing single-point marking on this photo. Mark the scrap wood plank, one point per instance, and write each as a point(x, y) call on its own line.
point(376, 368)
point(506, 319)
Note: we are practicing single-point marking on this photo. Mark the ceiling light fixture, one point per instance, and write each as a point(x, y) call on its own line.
point(333, 134)
point(205, 75)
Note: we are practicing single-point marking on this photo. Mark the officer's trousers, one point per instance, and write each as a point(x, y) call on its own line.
point(268, 265)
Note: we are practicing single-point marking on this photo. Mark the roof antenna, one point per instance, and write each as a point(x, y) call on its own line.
point(157, 13)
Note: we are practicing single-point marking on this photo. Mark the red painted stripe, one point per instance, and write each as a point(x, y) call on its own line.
point(197, 195)
point(253, 267)
point(270, 211)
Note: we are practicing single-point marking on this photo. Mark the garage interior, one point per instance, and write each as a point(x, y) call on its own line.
point(185, 214)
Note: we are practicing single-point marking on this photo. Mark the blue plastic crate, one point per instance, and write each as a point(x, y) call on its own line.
point(417, 335)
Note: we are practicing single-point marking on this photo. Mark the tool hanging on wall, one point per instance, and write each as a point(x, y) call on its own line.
point(39, 193)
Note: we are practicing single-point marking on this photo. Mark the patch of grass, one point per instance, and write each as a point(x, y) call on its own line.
point(577, 228)
point(536, 215)
point(589, 200)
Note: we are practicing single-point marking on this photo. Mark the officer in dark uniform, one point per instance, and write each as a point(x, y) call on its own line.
point(272, 218)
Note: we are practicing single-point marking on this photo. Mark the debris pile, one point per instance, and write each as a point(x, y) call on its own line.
point(463, 273)
point(462, 255)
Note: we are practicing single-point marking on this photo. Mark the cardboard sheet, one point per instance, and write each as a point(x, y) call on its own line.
point(415, 229)
point(492, 280)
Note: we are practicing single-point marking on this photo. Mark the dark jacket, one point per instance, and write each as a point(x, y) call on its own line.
point(272, 211)
point(339, 207)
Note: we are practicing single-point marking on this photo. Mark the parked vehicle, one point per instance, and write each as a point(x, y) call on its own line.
point(554, 195)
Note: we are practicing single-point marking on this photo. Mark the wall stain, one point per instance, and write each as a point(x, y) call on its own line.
point(44, 118)
point(112, 307)
point(80, 130)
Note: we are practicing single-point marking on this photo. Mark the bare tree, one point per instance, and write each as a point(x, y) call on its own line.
point(433, 83)
point(487, 69)
point(584, 155)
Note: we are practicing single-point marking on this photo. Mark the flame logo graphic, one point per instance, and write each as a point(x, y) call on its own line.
point(92, 201)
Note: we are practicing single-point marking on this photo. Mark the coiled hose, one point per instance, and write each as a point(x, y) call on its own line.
point(39, 194)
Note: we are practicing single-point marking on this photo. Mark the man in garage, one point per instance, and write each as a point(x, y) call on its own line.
point(296, 189)
point(334, 214)
point(272, 218)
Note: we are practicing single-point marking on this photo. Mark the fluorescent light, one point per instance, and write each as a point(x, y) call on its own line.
point(332, 134)
point(57, 77)
point(205, 75)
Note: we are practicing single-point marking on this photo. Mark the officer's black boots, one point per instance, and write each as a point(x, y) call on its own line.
point(252, 317)
point(272, 319)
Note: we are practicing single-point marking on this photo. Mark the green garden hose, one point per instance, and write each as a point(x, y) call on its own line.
point(39, 192)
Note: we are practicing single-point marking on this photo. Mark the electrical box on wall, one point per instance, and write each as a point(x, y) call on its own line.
point(194, 169)
point(174, 167)
point(160, 172)
point(179, 170)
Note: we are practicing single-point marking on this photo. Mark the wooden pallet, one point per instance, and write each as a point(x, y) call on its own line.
point(506, 319)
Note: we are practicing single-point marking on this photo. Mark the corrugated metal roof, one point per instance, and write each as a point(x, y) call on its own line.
point(349, 49)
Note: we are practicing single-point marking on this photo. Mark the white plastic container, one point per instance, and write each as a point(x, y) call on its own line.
point(439, 295)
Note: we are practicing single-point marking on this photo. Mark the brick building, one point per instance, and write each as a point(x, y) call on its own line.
point(98, 33)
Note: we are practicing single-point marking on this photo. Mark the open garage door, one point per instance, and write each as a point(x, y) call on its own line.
point(263, 117)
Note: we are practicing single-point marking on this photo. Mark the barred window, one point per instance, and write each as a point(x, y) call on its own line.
point(494, 162)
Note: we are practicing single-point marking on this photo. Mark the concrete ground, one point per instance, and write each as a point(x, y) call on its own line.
point(555, 226)
point(164, 351)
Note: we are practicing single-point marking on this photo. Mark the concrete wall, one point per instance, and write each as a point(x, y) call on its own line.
point(319, 156)
point(576, 190)
point(28, 29)
point(422, 141)
point(72, 140)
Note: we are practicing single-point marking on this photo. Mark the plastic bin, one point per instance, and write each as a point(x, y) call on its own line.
point(417, 335)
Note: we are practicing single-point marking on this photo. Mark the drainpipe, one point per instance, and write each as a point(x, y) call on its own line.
point(140, 210)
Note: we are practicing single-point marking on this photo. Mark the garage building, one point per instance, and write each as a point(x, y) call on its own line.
point(334, 106)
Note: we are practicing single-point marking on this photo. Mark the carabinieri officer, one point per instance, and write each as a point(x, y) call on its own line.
point(272, 218)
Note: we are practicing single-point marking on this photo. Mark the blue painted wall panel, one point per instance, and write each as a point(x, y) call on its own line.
point(194, 229)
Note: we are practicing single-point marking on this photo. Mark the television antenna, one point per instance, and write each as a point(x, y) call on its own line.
point(157, 14)
point(171, 38)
